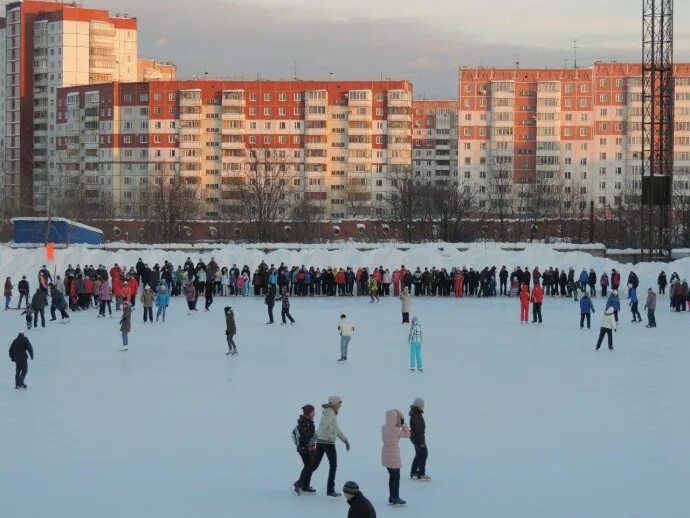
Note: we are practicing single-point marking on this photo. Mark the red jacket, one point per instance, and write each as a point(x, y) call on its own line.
point(340, 277)
point(115, 272)
point(537, 294)
point(524, 296)
point(117, 286)
point(133, 285)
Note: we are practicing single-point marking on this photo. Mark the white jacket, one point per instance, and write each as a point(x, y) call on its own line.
point(609, 320)
point(345, 328)
point(387, 278)
point(328, 427)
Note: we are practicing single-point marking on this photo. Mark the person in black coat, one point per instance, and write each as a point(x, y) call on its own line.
point(360, 506)
point(661, 281)
point(23, 288)
point(57, 302)
point(306, 446)
point(418, 439)
point(285, 307)
point(20, 350)
point(39, 301)
point(270, 301)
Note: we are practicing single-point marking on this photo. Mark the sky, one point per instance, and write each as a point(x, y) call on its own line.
point(424, 42)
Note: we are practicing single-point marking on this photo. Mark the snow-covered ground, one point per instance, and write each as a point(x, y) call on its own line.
point(522, 421)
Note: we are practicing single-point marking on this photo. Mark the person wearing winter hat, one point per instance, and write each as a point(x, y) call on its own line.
point(126, 323)
point(326, 435)
point(614, 302)
point(20, 350)
point(360, 506)
point(392, 431)
point(418, 438)
point(305, 441)
point(345, 329)
point(608, 325)
point(414, 338)
point(230, 330)
point(650, 306)
point(147, 300)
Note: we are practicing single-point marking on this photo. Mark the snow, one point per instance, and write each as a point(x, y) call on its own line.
point(522, 421)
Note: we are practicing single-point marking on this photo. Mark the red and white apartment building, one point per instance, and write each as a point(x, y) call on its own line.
point(579, 130)
point(338, 139)
point(435, 142)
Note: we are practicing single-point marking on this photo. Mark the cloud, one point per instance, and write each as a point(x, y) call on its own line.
point(161, 42)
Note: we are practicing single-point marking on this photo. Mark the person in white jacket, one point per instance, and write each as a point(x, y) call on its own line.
point(345, 329)
point(326, 434)
point(608, 325)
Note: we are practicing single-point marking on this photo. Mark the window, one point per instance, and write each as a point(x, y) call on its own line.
point(267, 96)
point(171, 97)
point(252, 97)
point(568, 88)
point(282, 111)
point(282, 96)
point(583, 103)
point(297, 97)
point(252, 139)
point(584, 88)
point(267, 112)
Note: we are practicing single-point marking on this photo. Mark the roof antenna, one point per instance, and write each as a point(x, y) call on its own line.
point(517, 61)
point(574, 53)
point(294, 69)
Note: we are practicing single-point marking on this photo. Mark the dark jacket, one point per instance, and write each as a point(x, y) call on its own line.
point(39, 300)
point(23, 286)
point(306, 434)
point(21, 349)
point(270, 298)
point(57, 298)
point(230, 327)
point(360, 507)
point(417, 426)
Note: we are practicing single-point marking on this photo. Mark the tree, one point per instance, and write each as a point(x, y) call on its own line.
point(358, 199)
point(499, 188)
point(451, 208)
point(405, 202)
point(306, 216)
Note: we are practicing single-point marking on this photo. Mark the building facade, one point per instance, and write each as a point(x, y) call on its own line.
point(336, 142)
point(152, 70)
point(435, 142)
point(49, 45)
point(561, 138)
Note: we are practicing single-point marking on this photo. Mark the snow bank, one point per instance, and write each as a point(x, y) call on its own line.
point(19, 261)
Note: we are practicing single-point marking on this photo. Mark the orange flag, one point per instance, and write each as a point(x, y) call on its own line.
point(50, 251)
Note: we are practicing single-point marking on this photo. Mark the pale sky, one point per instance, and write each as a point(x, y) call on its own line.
point(423, 41)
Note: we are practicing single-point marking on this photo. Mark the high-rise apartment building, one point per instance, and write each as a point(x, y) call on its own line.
point(49, 45)
point(435, 142)
point(337, 141)
point(567, 136)
point(152, 70)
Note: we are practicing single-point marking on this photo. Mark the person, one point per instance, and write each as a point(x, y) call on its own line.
point(537, 300)
point(608, 325)
point(285, 306)
point(373, 289)
point(8, 292)
point(126, 323)
point(650, 306)
point(162, 302)
point(392, 431)
point(104, 298)
point(20, 350)
point(147, 298)
point(360, 506)
point(418, 439)
point(270, 301)
point(345, 329)
point(209, 286)
point(586, 309)
point(57, 302)
point(190, 296)
point(604, 283)
point(23, 288)
point(632, 295)
point(326, 434)
point(614, 303)
point(414, 338)
point(39, 301)
point(230, 330)
point(662, 282)
point(406, 302)
point(305, 441)
point(524, 303)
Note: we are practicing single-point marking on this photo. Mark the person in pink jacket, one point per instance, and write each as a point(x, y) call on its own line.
point(104, 297)
point(391, 433)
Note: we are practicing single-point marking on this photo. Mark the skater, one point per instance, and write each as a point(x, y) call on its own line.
point(360, 506)
point(604, 283)
point(415, 341)
point(39, 302)
point(304, 438)
point(270, 301)
point(57, 302)
point(650, 306)
point(524, 304)
point(632, 295)
point(373, 289)
point(162, 302)
point(104, 297)
point(190, 296)
point(20, 350)
point(23, 288)
point(418, 438)
point(209, 286)
point(326, 434)
point(537, 299)
point(586, 309)
point(608, 325)
point(8, 292)
point(661, 281)
point(126, 323)
point(285, 306)
point(392, 431)
point(147, 298)
point(614, 303)
point(345, 329)
point(406, 303)
point(230, 330)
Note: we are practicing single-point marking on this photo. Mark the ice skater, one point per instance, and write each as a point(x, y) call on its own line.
point(414, 338)
point(650, 306)
point(304, 438)
point(162, 302)
point(8, 292)
point(345, 329)
point(360, 506)
point(285, 306)
point(20, 350)
point(614, 303)
point(326, 435)
point(632, 296)
point(537, 300)
point(126, 324)
point(524, 304)
point(392, 431)
point(418, 439)
point(586, 310)
point(270, 301)
point(608, 325)
point(230, 330)
point(406, 303)
point(147, 299)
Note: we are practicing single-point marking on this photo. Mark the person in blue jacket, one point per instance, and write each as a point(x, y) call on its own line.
point(584, 278)
point(615, 303)
point(586, 310)
point(632, 296)
point(162, 302)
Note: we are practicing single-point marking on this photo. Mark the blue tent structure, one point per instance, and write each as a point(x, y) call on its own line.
point(60, 231)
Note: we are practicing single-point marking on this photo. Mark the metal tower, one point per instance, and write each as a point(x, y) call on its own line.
point(657, 127)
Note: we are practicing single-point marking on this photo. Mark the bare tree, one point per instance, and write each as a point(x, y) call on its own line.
point(451, 209)
point(306, 216)
point(405, 202)
point(358, 199)
point(499, 189)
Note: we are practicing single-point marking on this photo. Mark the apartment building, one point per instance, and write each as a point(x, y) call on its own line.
point(577, 133)
point(337, 140)
point(152, 70)
point(435, 142)
point(49, 45)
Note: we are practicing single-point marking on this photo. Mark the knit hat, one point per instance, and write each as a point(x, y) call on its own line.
point(333, 400)
point(614, 292)
point(351, 488)
point(419, 403)
point(307, 409)
point(415, 319)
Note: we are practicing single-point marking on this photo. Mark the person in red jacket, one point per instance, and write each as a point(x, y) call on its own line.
point(524, 304)
point(133, 286)
point(395, 279)
point(537, 299)
point(117, 291)
point(459, 281)
point(340, 281)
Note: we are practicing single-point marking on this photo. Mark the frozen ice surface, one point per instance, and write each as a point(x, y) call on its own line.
point(522, 420)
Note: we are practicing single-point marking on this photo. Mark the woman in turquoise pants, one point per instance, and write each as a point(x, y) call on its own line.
point(415, 341)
